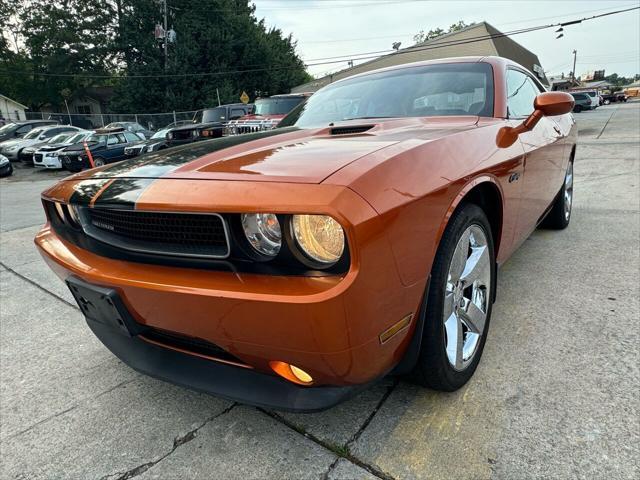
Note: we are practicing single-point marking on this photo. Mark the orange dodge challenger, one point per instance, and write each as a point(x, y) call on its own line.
point(292, 267)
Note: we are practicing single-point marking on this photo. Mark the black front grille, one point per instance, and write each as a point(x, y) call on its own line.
point(186, 234)
point(190, 344)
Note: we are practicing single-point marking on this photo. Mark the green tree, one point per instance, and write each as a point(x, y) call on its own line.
point(212, 37)
point(84, 38)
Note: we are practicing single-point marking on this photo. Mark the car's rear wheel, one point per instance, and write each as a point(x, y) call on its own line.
point(559, 216)
point(99, 162)
point(459, 302)
point(577, 108)
point(607, 102)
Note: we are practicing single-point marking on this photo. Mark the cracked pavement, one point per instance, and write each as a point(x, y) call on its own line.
point(555, 396)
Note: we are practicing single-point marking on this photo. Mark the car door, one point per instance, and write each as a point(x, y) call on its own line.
point(114, 148)
point(543, 148)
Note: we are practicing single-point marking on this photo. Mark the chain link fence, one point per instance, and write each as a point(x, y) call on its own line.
point(150, 121)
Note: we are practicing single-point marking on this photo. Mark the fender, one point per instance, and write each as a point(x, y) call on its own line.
point(464, 191)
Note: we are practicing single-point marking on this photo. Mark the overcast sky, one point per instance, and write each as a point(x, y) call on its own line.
point(331, 28)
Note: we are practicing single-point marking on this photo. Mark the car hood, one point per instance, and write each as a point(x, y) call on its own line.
point(10, 143)
point(285, 154)
point(52, 147)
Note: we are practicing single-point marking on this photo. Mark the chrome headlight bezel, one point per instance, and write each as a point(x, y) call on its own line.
point(263, 232)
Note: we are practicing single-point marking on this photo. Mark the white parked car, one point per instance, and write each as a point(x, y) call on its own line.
point(13, 148)
point(47, 155)
point(6, 169)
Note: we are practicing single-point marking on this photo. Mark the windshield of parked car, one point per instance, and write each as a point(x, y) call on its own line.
point(161, 133)
point(98, 138)
point(275, 105)
point(9, 127)
point(423, 91)
point(33, 133)
point(60, 138)
point(217, 114)
point(78, 137)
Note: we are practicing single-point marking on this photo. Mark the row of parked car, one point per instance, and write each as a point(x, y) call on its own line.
point(47, 144)
point(590, 99)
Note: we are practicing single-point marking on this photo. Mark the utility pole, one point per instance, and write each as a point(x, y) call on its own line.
point(166, 39)
point(573, 72)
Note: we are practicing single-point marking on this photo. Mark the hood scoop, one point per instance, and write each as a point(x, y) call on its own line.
point(350, 130)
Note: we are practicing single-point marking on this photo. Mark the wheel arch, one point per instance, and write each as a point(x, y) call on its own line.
point(486, 193)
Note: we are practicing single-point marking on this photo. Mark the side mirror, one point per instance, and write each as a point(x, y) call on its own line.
point(547, 104)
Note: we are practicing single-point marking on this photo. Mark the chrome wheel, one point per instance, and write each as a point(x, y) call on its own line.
point(568, 191)
point(467, 297)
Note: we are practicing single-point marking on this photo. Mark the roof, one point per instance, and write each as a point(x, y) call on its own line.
point(480, 39)
point(597, 84)
point(13, 101)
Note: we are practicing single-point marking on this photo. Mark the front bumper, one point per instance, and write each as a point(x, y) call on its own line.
point(231, 382)
point(10, 154)
point(327, 325)
point(46, 161)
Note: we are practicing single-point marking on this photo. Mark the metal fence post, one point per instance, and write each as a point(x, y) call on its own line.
point(136, 117)
point(174, 117)
point(102, 119)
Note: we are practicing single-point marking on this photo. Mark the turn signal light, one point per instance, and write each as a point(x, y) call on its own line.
point(291, 372)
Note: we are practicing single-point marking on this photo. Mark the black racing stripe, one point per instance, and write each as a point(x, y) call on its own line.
point(155, 165)
point(85, 190)
point(123, 193)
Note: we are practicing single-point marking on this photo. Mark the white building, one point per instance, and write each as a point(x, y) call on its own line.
point(11, 110)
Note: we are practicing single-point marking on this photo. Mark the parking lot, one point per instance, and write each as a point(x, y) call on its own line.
point(555, 396)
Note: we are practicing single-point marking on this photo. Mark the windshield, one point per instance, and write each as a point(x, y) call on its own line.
point(59, 138)
point(98, 138)
point(33, 133)
point(78, 137)
point(276, 106)
point(9, 127)
point(161, 133)
point(430, 90)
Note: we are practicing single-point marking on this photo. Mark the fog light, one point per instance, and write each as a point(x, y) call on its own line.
point(291, 372)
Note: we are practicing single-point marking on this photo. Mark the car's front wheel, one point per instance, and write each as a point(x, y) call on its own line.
point(99, 162)
point(459, 301)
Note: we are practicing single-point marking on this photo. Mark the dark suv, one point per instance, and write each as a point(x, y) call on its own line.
point(106, 146)
point(20, 128)
point(208, 123)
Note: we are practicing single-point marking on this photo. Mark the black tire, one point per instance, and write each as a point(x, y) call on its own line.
point(559, 216)
point(577, 108)
point(607, 102)
point(8, 173)
point(433, 369)
point(99, 162)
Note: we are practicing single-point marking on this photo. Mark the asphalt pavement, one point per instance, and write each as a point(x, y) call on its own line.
point(555, 396)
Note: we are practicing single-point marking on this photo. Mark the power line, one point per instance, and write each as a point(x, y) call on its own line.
point(328, 60)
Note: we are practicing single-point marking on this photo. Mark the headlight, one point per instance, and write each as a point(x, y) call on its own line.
point(74, 214)
point(169, 136)
point(319, 237)
point(53, 154)
point(12, 149)
point(263, 232)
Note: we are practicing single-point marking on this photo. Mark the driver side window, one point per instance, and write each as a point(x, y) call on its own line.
point(521, 92)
